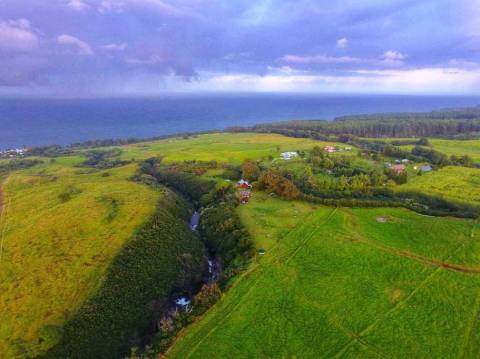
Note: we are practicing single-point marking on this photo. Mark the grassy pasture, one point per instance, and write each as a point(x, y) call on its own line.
point(456, 183)
point(223, 147)
point(458, 148)
point(61, 228)
point(340, 284)
point(449, 147)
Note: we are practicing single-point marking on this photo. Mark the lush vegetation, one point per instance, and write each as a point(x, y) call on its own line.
point(347, 283)
point(164, 257)
point(457, 183)
point(220, 227)
point(17, 164)
point(435, 124)
point(222, 147)
point(60, 230)
point(103, 159)
point(320, 260)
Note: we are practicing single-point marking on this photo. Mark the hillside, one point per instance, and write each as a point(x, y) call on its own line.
point(61, 228)
point(341, 283)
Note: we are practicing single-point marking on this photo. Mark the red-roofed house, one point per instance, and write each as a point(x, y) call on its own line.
point(398, 169)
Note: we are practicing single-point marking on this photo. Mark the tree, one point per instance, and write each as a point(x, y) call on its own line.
point(278, 184)
point(250, 170)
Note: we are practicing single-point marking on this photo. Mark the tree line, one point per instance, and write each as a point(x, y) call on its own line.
point(433, 124)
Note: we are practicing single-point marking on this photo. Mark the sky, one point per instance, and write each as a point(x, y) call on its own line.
point(95, 48)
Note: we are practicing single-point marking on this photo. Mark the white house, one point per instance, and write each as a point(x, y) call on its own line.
point(288, 155)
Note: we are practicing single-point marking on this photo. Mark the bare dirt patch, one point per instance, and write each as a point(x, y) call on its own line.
point(394, 294)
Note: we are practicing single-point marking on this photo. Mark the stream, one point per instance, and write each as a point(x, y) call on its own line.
point(213, 268)
point(213, 265)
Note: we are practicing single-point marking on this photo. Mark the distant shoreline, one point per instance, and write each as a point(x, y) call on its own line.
point(35, 122)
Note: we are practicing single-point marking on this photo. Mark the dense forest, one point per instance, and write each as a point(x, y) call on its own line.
point(452, 123)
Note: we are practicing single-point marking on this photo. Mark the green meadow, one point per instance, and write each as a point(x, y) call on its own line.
point(347, 283)
point(455, 183)
point(222, 147)
point(60, 229)
point(458, 148)
point(448, 147)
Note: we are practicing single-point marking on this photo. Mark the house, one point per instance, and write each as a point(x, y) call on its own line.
point(245, 197)
point(288, 155)
point(398, 169)
point(329, 149)
point(243, 184)
point(426, 168)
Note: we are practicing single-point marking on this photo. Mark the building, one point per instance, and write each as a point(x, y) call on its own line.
point(398, 169)
point(245, 197)
point(244, 184)
point(329, 149)
point(426, 168)
point(288, 155)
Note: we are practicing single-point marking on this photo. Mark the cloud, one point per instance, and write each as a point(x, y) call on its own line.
point(151, 60)
point(82, 47)
point(342, 43)
point(393, 58)
point(17, 35)
point(78, 5)
point(423, 80)
point(116, 47)
point(460, 63)
point(321, 59)
point(389, 58)
point(157, 6)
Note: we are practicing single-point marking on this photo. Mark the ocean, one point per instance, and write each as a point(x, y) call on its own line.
point(38, 122)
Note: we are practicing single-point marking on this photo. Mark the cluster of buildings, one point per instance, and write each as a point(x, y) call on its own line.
point(400, 167)
point(12, 153)
point(245, 194)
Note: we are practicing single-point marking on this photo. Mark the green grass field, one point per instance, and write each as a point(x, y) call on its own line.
point(333, 282)
point(60, 229)
point(456, 183)
point(340, 284)
point(222, 147)
point(458, 148)
point(448, 147)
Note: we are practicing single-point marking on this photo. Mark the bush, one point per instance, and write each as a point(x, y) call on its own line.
point(274, 182)
point(68, 193)
point(208, 296)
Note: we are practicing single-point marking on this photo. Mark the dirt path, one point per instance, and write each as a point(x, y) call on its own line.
point(422, 259)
